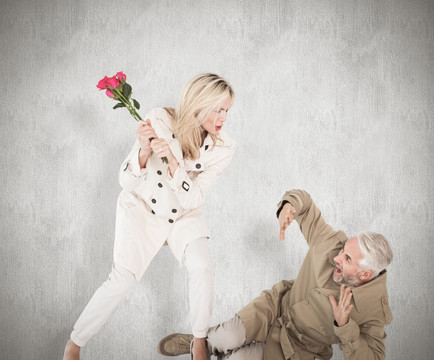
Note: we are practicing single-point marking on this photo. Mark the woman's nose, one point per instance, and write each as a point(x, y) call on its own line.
point(222, 115)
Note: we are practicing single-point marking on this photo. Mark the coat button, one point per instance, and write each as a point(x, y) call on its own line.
point(198, 166)
point(321, 328)
point(306, 302)
point(154, 201)
point(159, 172)
point(174, 211)
point(206, 147)
point(160, 185)
point(173, 136)
point(171, 221)
point(152, 211)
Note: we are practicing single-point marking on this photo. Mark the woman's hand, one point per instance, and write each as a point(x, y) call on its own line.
point(144, 133)
point(162, 149)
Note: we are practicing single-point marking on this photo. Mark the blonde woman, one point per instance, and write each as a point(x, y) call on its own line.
point(160, 203)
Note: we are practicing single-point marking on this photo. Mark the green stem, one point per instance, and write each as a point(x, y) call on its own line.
point(127, 104)
point(132, 111)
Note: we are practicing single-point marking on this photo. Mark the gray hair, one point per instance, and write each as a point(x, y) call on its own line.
point(376, 251)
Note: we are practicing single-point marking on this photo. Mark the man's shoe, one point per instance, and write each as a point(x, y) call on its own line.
point(175, 344)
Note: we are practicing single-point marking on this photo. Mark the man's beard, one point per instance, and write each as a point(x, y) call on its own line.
point(342, 278)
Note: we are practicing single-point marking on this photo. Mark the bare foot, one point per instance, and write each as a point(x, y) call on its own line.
point(72, 351)
point(200, 350)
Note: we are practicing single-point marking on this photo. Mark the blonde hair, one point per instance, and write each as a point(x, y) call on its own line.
point(376, 251)
point(200, 97)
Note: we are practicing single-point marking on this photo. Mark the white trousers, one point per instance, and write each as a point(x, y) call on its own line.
point(120, 281)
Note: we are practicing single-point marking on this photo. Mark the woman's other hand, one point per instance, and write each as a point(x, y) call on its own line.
point(162, 149)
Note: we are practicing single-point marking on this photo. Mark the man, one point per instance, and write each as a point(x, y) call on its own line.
point(339, 297)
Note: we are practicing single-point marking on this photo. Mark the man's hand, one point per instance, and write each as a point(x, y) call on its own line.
point(286, 217)
point(342, 309)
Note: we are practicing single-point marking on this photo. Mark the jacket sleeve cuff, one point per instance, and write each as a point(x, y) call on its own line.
point(294, 197)
point(175, 180)
point(348, 334)
point(134, 166)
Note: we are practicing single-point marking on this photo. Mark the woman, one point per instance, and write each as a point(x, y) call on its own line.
point(161, 204)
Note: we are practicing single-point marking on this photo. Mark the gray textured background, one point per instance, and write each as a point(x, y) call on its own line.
point(335, 97)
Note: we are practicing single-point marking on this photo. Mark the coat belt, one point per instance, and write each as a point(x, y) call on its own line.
point(278, 337)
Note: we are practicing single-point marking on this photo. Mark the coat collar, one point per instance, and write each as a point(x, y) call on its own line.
point(367, 294)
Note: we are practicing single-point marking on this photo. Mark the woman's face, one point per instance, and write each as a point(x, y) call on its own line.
point(214, 121)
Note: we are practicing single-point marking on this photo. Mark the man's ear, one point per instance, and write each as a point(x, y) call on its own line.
point(365, 275)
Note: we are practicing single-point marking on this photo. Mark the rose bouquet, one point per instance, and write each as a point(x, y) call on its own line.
point(118, 89)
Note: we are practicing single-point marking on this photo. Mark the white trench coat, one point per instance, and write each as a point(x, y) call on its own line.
point(153, 207)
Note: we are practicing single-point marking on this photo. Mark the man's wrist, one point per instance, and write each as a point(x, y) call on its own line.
point(336, 324)
point(281, 207)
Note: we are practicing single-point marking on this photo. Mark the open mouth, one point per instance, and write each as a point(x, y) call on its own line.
point(218, 128)
point(337, 271)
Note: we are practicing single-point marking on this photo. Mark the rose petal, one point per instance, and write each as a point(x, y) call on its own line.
point(102, 84)
point(121, 76)
point(113, 82)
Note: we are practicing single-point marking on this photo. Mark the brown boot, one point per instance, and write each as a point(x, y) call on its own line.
point(175, 344)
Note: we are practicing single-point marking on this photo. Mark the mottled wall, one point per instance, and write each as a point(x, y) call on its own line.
point(335, 97)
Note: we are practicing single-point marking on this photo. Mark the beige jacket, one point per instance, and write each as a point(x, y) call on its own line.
point(295, 318)
point(154, 207)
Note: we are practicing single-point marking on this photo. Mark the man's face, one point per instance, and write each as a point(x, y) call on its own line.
point(347, 270)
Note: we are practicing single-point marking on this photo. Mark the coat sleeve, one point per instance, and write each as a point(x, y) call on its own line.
point(362, 343)
point(190, 191)
point(130, 174)
point(307, 215)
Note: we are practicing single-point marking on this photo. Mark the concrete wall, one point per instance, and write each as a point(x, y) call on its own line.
point(334, 97)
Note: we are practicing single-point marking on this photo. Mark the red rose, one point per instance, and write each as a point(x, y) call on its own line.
point(121, 76)
point(113, 82)
point(102, 84)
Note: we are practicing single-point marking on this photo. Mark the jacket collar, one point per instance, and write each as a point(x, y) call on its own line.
point(367, 294)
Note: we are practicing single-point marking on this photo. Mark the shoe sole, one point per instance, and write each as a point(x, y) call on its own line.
point(168, 338)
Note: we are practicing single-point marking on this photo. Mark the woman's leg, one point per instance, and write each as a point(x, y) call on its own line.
point(100, 307)
point(201, 290)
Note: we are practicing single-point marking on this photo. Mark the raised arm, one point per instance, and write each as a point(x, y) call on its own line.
point(307, 215)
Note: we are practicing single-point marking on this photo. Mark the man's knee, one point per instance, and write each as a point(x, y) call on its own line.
point(227, 336)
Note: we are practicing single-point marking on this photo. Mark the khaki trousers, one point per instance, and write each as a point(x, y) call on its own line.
point(228, 341)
